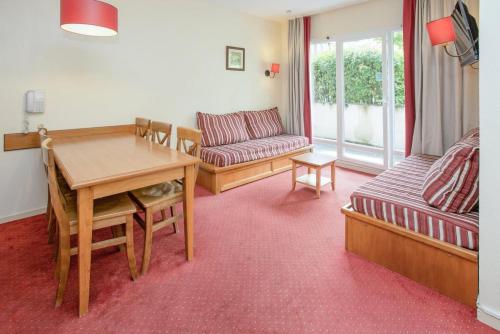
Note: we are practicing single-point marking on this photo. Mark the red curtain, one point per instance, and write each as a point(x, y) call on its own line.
point(307, 94)
point(409, 7)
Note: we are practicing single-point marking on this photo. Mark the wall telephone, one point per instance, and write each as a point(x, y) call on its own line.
point(35, 104)
point(35, 101)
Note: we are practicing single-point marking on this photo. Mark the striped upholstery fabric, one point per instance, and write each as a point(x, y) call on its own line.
point(471, 137)
point(227, 155)
point(264, 123)
point(395, 197)
point(452, 183)
point(221, 129)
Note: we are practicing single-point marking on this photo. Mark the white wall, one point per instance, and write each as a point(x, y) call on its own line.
point(489, 232)
point(362, 18)
point(167, 62)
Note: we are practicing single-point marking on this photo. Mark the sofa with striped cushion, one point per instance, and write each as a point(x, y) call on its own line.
point(421, 219)
point(244, 136)
point(433, 196)
point(245, 139)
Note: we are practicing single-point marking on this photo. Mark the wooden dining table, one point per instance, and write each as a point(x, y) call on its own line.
point(102, 165)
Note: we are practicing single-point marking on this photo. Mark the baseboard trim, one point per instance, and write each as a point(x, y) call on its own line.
point(488, 316)
point(22, 215)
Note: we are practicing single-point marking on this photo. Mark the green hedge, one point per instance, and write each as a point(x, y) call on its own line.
point(360, 76)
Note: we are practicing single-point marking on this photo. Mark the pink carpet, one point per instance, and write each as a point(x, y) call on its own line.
point(266, 261)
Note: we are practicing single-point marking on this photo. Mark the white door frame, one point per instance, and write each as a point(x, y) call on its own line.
point(387, 88)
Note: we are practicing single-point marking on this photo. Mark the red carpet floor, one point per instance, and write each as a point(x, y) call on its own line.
point(266, 261)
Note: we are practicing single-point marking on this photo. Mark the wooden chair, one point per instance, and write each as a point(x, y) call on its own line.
point(51, 224)
point(142, 127)
point(158, 198)
point(66, 191)
point(114, 211)
point(161, 133)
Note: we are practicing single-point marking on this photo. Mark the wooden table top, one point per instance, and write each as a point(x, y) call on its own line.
point(314, 159)
point(90, 160)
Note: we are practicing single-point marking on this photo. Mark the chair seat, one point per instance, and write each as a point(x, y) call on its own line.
point(104, 208)
point(170, 192)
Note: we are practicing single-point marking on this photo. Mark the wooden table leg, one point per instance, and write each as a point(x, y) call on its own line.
point(189, 210)
point(85, 217)
point(148, 240)
point(333, 176)
point(318, 182)
point(294, 175)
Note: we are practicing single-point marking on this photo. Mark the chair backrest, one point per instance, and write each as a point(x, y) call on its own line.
point(142, 127)
point(161, 133)
point(189, 142)
point(45, 159)
point(56, 197)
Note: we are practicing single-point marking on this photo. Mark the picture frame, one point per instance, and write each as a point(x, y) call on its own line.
point(235, 58)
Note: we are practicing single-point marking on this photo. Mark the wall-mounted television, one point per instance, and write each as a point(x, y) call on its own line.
point(467, 34)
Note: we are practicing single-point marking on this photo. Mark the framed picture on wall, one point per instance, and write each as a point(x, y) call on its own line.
point(235, 58)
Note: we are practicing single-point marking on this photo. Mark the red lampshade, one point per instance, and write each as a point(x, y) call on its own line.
point(89, 17)
point(275, 68)
point(442, 31)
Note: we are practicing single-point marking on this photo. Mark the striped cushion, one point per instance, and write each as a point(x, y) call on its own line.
point(452, 183)
point(395, 197)
point(227, 155)
point(471, 137)
point(221, 129)
point(264, 123)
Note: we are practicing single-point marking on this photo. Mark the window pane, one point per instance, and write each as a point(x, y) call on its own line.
point(363, 111)
point(399, 98)
point(375, 157)
point(325, 146)
point(323, 91)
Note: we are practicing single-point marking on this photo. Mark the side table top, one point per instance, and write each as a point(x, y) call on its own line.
point(314, 159)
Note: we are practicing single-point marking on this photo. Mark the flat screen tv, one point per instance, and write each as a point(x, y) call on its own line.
point(467, 32)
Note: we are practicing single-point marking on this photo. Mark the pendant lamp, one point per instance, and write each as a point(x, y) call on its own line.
point(89, 17)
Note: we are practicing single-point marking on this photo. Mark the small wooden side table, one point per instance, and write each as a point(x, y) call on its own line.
point(317, 162)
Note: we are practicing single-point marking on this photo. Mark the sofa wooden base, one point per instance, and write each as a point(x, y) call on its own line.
point(218, 179)
point(448, 269)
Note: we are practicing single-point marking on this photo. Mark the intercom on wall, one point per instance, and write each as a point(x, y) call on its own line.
point(35, 101)
point(34, 104)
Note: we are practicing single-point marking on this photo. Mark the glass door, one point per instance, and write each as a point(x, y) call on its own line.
point(398, 80)
point(357, 98)
point(324, 96)
point(364, 102)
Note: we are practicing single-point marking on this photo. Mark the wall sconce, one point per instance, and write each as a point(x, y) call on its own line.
point(275, 68)
point(442, 33)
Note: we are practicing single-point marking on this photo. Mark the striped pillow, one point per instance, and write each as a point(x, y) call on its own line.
point(471, 137)
point(452, 183)
point(264, 123)
point(221, 129)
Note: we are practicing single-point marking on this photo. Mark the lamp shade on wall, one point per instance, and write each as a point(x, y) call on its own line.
point(275, 68)
point(89, 17)
point(442, 31)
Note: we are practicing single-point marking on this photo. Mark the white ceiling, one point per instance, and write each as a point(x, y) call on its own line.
point(277, 9)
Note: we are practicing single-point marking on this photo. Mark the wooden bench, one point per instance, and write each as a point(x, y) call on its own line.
point(218, 179)
point(446, 268)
